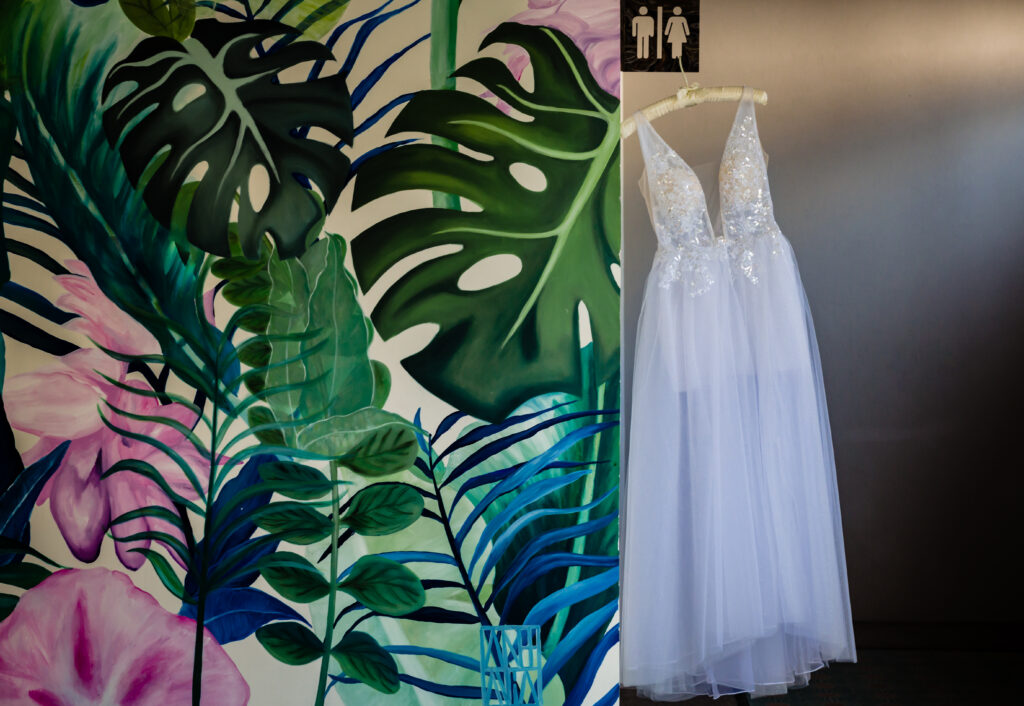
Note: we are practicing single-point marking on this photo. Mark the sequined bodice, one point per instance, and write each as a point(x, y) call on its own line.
point(687, 240)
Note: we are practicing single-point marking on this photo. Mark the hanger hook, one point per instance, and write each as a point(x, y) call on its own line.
point(685, 90)
point(683, 72)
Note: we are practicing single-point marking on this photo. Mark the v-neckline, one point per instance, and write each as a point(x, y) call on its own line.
point(717, 233)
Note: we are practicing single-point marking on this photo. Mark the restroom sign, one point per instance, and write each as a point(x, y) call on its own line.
point(660, 35)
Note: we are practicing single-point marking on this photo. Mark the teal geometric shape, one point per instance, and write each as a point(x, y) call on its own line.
point(510, 665)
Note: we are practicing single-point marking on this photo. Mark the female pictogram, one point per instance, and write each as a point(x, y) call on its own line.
point(677, 30)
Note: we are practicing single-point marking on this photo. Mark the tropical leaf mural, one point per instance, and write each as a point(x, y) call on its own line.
point(208, 449)
point(527, 326)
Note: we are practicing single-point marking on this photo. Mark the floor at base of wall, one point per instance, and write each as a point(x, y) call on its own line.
point(903, 665)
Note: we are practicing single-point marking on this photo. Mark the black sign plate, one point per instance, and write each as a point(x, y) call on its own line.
point(660, 35)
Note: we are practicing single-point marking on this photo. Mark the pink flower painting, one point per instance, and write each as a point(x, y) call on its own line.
point(593, 28)
point(88, 637)
point(62, 400)
point(99, 318)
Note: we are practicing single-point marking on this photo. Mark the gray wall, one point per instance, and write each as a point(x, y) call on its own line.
point(895, 132)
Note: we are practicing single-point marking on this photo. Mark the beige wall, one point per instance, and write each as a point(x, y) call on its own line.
point(895, 131)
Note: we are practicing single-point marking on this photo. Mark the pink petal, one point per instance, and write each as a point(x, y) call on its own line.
point(100, 319)
point(78, 501)
point(61, 397)
point(82, 631)
point(41, 448)
point(208, 300)
point(593, 28)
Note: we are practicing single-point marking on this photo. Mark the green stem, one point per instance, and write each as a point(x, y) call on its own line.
point(325, 660)
point(444, 22)
point(592, 398)
point(204, 565)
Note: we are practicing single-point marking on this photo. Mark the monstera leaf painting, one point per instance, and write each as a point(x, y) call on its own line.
point(505, 343)
point(196, 121)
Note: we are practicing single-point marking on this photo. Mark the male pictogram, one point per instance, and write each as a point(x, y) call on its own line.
point(643, 30)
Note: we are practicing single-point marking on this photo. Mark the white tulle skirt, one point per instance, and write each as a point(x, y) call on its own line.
point(734, 575)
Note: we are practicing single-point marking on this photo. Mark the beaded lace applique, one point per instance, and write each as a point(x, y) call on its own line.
point(747, 212)
point(687, 243)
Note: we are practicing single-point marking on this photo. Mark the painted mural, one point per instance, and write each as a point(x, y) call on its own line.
point(310, 354)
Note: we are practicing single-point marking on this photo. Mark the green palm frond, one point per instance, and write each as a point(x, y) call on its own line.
point(56, 67)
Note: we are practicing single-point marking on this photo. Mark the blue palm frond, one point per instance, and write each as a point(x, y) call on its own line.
point(518, 533)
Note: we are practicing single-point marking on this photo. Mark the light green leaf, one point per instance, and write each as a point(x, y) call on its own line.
point(340, 375)
point(328, 373)
point(370, 442)
point(314, 18)
point(381, 383)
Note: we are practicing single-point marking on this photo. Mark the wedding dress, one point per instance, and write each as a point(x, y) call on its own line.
point(734, 574)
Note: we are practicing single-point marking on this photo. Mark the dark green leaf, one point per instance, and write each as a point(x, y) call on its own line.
point(155, 511)
point(370, 442)
point(213, 100)
point(8, 130)
point(294, 480)
point(383, 508)
point(291, 643)
point(254, 320)
point(294, 577)
point(31, 252)
point(360, 657)
point(10, 546)
point(169, 540)
point(502, 344)
point(32, 335)
point(23, 575)
point(294, 522)
point(148, 471)
point(233, 268)
point(7, 604)
point(259, 416)
point(255, 353)
point(162, 18)
point(168, 577)
point(248, 290)
point(384, 586)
